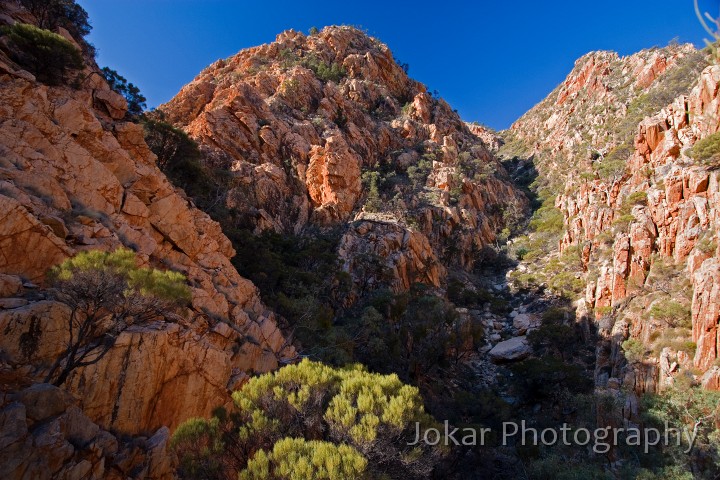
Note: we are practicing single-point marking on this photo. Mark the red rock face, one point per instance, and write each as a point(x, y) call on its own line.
point(74, 177)
point(298, 142)
point(681, 209)
point(598, 91)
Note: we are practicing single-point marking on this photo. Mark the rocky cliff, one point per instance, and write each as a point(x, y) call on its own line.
point(74, 175)
point(640, 215)
point(328, 129)
point(661, 210)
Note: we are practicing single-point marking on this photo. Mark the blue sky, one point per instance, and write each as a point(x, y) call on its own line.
point(490, 60)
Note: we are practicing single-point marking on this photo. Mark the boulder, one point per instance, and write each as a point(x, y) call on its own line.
point(525, 321)
point(43, 401)
point(517, 348)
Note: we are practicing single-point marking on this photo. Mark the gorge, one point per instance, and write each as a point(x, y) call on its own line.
point(358, 261)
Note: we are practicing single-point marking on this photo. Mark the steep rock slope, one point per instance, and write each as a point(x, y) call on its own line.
point(610, 144)
point(662, 209)
point(324, 129)
point(598, 106)
point(75, 176)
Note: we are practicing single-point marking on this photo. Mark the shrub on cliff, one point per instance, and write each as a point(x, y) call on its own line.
point(51, 14)
point(48, 56)
point(707, 150)
point(634, 350)
point(298, 410)
point(135, 99)
point(179, 157)
point(107, 293)
point(695, 410)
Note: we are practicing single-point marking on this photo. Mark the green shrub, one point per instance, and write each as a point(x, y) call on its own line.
point(541, 378)
point(636, 198)
point(373, 202)
point(135, 99)
point(706, 243)
point(634, 350)
point(548, 218)
point(707, 150)
point(311, 410)
point(48, 56)
point(613, 165)
point(178, 156)
point(672, 313)
point(694, 410)
point(107, 293)
point(623, 222)
point(324, 71)
point(51, 14)
point(296, 459)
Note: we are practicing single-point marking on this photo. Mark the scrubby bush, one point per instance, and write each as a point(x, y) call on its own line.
point(51, 14)
point(297, 459)
point(48, 56)
point(324, 71)
point(635, 198)
point(707, 150)
point(179, 157)
point(547, 219)
point(373, 202)
point(695, 410)
point(634, 350)
point(418, 173)
point(107, 292)
point(613, 165)
point(135, 99)
point(671, 313)
point(311, 410)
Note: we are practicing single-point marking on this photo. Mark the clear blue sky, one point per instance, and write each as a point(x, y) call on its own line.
point(490, 60)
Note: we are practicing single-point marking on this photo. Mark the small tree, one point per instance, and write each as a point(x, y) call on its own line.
point(174, 149)
point(135, 99)
point(107, 293)
point(374, 202)
point(46, 55)
point(51, 14)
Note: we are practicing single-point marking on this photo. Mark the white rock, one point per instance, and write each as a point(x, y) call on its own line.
point(516, 348)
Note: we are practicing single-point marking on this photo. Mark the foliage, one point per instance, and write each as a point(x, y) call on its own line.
point(418, 173)
point(411, 333)
point(671, 313)
point(48, 56)
point(301, 279)
point(298, 459)
point(553, 336)
point(373, 202)
point(547, 218)
point(634, 350)
point(541, 378)
point(107, 293)
point(199, 442)
point(635, 198)
point(373, 415)
point(135, 99)
point(707, 150)
point(179, 157)
point(697, 411)
point(613, 165)
point(51, 14)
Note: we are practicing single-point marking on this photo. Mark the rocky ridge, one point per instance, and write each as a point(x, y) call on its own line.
point(644, 221)
point(74, 175)
point(304, 121)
